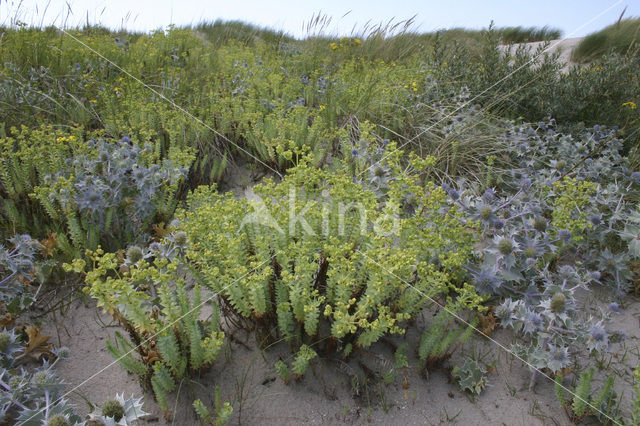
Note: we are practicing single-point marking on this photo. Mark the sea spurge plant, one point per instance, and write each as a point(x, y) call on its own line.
point(17, 266)
point(301, 362)
point(441, 339)
point(635, 410)
point(320, 256)
point(568, 196)
point(582, 403)
point(27, 156)
point(167, 341)
point(221, 414)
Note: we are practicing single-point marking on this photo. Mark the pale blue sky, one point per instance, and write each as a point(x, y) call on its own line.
point(575, 18)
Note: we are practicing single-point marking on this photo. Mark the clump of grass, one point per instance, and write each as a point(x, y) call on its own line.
point(221, 32)
point(620, 38)
point(389, 41)
point(399, 41)
point(472, 39)
point(526, 35)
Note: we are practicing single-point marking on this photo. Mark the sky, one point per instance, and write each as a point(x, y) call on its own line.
point(574, 18)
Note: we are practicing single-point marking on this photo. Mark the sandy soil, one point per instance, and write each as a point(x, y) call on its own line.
point(247, 379)
point(326, 395)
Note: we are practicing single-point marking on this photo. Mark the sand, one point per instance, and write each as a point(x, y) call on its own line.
point(247, 379)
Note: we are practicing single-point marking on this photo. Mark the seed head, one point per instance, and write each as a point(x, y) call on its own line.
point(595, 219)
point(558, 303)
point(505, 246)
point(113, 409)
point(58, 420)
point(94, 197)
point(180, 238)
point(5, 341)
point(540, 224)
point(486, 212)
point(530, 252)
point(134, 254)
point(41, 377)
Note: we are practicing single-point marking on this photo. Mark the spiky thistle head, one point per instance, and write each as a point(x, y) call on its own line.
point(530, 248)
point(41, 377)
point(120, 411)
point(505, 246)
point(134, 254)
point(114, 409)
point(180, 238)
point(558, 303)
point(558, 358)
point(540, 224)
point(5, 341)
point(486, 212)
point(532, 322)
point(58, 420)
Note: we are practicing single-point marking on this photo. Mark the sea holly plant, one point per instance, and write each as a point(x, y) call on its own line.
point(36, 396)
point(145, 290)
point(552, 227)
point(17, 267)
point(113, 193)
point(518, 266)
point(118, 411)
point(470, 376)
point(323, 261)
point(30, 396)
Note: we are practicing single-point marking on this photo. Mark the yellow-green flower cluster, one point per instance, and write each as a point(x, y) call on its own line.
point(315, 244)
point(571, 198)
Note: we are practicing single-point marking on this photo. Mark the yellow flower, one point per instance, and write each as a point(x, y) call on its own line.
point(630, 105)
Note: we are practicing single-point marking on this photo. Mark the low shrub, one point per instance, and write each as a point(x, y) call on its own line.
point(328, 263)
point(87, 193)
point(167, 340)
